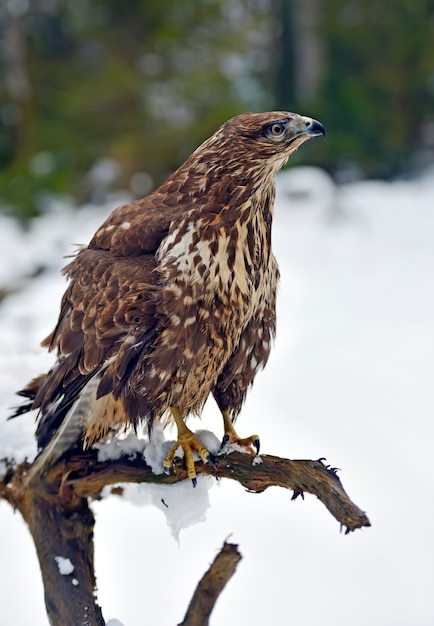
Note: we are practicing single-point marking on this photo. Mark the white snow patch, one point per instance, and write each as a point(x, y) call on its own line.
point(156, 449)
point(114, 622)
point(257, 460)
point(308, 190)
point(129, 446)
point(208, 439)
point(17, 439)
point(65, 566)
point(233, 447)
point(182, 504)
point(74, 581)
point(350, 377)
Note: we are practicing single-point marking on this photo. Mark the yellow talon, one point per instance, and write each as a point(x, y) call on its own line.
point(188, 443)
point(251, 444)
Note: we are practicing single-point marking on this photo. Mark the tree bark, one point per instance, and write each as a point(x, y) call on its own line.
point(55, 507)
point(211, 585)
point(87, 477)
point(61, 525)
point(308, 49)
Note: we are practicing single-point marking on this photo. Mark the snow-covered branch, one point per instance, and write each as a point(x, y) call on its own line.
point(55, 507)
point(85, 476)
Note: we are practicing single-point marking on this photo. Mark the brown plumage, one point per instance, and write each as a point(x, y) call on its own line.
point(174, 297)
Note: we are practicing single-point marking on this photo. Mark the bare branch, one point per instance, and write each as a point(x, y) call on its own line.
point(87, 478)
point(211, 585)
point(55, 507)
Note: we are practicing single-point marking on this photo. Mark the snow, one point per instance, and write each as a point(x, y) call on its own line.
point(349, 379)
point(155, 452)
point(128, 445)
point(65, 566)
point(181, 504)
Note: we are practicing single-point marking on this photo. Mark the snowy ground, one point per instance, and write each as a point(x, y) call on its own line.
point(350, 379)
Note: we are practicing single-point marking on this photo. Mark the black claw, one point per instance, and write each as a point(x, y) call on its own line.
point(257, 444)
point(297, 492)
point(211, 459)
point(194, 482)
point(166, 470)
point(224, 442)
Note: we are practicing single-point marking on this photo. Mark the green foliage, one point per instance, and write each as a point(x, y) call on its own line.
point(144, 83)
point(378, 90)
point(139, 82)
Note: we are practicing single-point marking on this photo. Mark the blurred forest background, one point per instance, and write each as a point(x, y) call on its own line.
point(101, 94)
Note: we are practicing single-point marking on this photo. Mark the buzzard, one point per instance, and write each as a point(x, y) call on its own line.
point(173, 299)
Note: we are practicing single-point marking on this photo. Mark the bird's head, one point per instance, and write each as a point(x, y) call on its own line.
point(259, 142)
point(271, 133)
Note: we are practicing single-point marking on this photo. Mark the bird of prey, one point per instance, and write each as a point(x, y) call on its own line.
point(173, 299)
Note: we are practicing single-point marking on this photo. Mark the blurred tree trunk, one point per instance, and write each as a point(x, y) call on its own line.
point(17, 85)
point(299, 51)
point(308, 49)
point(282, 61)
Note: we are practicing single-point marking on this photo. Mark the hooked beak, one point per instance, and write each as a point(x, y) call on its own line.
point(313, 127)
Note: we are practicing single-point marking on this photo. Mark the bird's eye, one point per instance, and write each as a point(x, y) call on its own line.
point(277, 129)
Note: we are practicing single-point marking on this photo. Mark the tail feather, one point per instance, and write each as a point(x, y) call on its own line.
point(30, 393)
point(53, 403)
point(69, 433)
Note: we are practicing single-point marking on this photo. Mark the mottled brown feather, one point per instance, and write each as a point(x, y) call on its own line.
point(174, 297)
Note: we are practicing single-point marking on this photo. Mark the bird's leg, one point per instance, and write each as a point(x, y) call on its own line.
point(251, 444)
point(188, 443)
